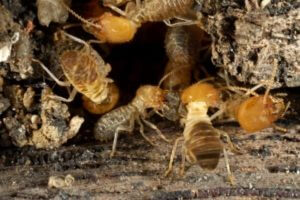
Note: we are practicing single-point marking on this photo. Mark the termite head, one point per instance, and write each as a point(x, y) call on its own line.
point(204, 92)
point(113, 29)
point(258, 112)
point(152, 96)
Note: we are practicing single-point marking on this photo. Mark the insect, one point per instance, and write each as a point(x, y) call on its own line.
point(202, 143)
point(183, 44)
point(157, 10)
point(113, 29)
point(83, 67)
point(182, 58)
point(107, 27)
point(256, 112)
point(122, 119)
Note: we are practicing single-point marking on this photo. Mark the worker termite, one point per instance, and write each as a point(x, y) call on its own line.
point(122, 119)
point(202, 143)
point(83, 67)
point(181, 56)
point(254, 112)
point(157, 10)
point(183, 44)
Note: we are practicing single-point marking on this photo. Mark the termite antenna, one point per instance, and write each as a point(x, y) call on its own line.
point(61, 83)
point(78, 16)
point(270, 83)
point(169, 74)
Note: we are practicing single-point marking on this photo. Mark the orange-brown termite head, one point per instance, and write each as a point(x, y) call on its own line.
point(151, 96)
point(204, 92)
point(108, 104)
point(255, 113)
point(113, 29)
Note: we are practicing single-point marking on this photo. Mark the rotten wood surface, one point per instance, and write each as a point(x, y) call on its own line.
point(251, 38)
point(269, 168)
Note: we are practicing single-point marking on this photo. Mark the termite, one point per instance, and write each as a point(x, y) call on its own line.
point(185, 46)
point(182, 58)
point(253, 112)
point(83, 67)
point(123, 118)
point(202, 143)
point(157, 10)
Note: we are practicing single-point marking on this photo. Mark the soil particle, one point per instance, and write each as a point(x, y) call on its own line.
point(4, 104)
point(28, 98)
point(249, 42)
point(57, 127)
point(52, 11)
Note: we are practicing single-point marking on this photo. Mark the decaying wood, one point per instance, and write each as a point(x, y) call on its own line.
point(247, 42)
point(268, 168)
point(250, 39)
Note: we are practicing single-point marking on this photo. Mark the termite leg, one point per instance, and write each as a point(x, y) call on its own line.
point(117, 10)
point(170, 168)
point(95, 41)
point(252, 90)
point(231, 178)
point(142, 132)
point(116, 135)
point(270, 82)
point(69, 99)
point(156, 129)
point(76, 39)
point(70, 26)
point(114, 146)
point(217, 114)
point(232, 147)
point(182, 168)
point(78, 16)
point(183, 22)
point(60, 83)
